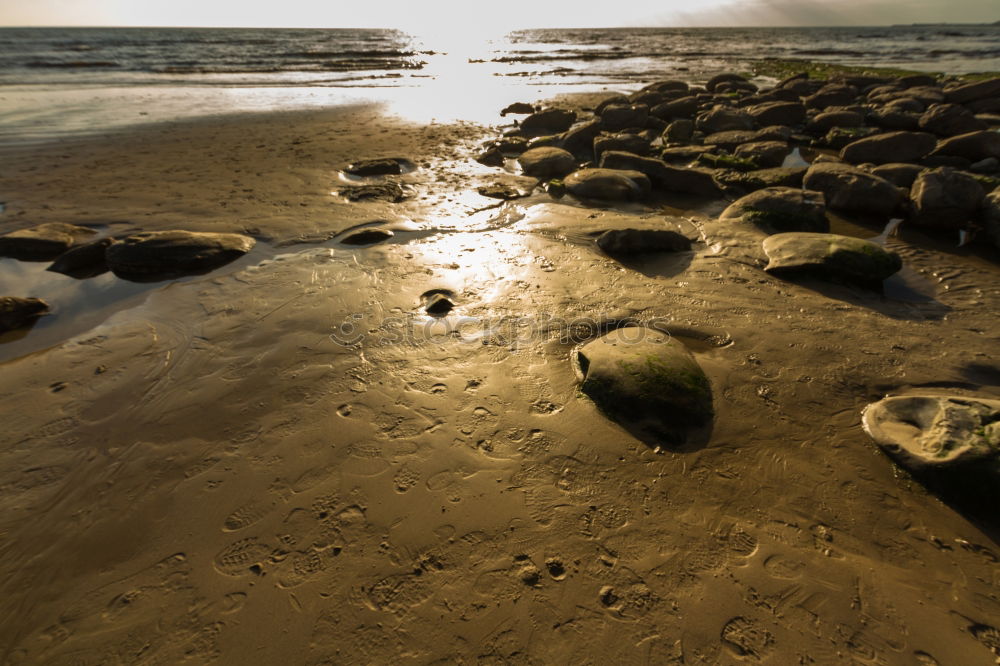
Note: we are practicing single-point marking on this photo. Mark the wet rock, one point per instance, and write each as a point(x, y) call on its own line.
point(517, 108)
point(945, 199)
point(662, 175)
point(547, 162)
point(492, 156)
point(548, 121)
point(727, 77)
point(899, 174)
point(916, 80)
point(988, 165)
point(852, 190)
point(731, 139)
point(832, 94)
point(682, 154)
point(679, 131)
point(781, 209)
point(380, 167)
point(629, 143)
point(367, 237)
point(638, 241)
point(824, 122)
point(890, 119)
point(889, 147)
point(620, 116)
point(580, 140)
point(972, 92)
point(391, 192)
point(761, 178)
point(608, 184)
point(670, 85)
point(925, 94)
point(42, 242)
point(935, 161)
point(973, 146)
point(765, 154)
point(438, 303)
point(948, 440)
point(908, 104)
point(83, 261)
point(829, 256)
point(682, 108)
point(499, 190)
point(512, 145)
point(778, 113)
point(17, 312)
point(991, 217)
point(166, 253)
point(611, 101)
point(647, 381)
point(723, 119)
point(950, 120)
point(723, 161)
point(839, 137)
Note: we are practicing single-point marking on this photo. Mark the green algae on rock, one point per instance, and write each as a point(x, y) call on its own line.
point(830, 256)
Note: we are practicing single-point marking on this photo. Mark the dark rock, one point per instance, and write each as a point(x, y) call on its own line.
point(917, 80)
point(761, 178)
point(727, 77)
point(648, 381)
point(83, 261)
point(731, 139)
point(684, 107)
point(900, 175)
point(991, 217)
point(165, 253)
point(832, 94)
point(43, 242)
point(971, 92)
point(367, 237)
point(518, 108)
point(765, 154)
point(973, 146)
point(891, 119)
point(512, 145)
point(738, 87)
point(638, 241)
point(950, 120)
point(907, 104)
point(838, 137)
point(679, 131)
point(988, 105)
point(852, 190)
point(17, 312)
point(926, 94)
point(608, 184)
point(663, 176)
point(380, 167)
point(780, 209)
point(667, 86)
point(778, 113)
point(500, 191)
point(890, 147)
point(682, 154)
point(580, 139)
point(619, 117)
point(613, 100)
point(548, 121)
point(823, 122)
point(438, 304)
point(630, 143)
point(492, 156)
point(829, 256)
point(374, 191)
point(547, 162)
point(945, 199)
point(935, 161)
point(722, 119)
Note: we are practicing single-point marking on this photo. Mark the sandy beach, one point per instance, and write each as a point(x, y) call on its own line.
point(288, 461)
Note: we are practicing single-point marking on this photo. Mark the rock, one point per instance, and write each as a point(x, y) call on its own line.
point(945, 199)
point(781, 209)
point(670, 85)
point(724, 161)
point(925, 94)
point(609, 184)
point(546, 141)
point(988, 165)
point(934, 161)
point(630, 143)
point(829, 256)
point(727, 77)
point(374, 192)
point(83, 261)
point(948, 440)
point(17, 312)
point(761, 178)
point(765, 154)
point(916, 80)
point(498, 190)
point(618, 117)
point(778, 113)
point(679, 131)
point(833, 94)
point(991, 217)
point(638, 241)
point(367, 237)
point(889, 147)
point(437, 303)
point(663, 176)
point(722, 119)
point(907, 104)
point(682, 154)
point(973, 146)
point(731, 139)
point(972, 92)
point(890, 119)
point(42, 242)
point(900, 175)
point(380, 167)
point(492, 156)
point(648, 381)
point(738, 87)
point(548, 121)
point(512, 145)
point(518, 108)
point(684, 107)
point(950, 120)
point(166, 253)
point(827, 120)
point(580, 140)
point(852, 190)
point(547, 162)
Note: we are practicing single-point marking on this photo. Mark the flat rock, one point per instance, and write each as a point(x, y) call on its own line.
point(973, 146)
point(547, 162)
point(17, 312)
point(608, 184)
point(645, 378)
point(829, 256)
point(852, 190)
point(663, 176)
point(781, 209)
point(889, 147)
point(378, 167)
point(761, 178)
point(390, 192)
point(639, 241)
point(166, 253)
point(43, 242)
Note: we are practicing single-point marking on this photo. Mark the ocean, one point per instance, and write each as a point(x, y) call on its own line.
point(56, 81)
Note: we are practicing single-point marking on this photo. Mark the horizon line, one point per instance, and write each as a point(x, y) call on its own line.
point(402, 29)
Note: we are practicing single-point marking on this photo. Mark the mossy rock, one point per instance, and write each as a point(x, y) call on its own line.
point(647, 381)
point(780, 209)
point(717, 161)
point(829, 256)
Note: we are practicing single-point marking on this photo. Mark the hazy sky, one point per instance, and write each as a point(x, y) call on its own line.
point(447, 15)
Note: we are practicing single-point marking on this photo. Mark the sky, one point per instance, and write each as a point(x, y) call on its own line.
point(462, 15)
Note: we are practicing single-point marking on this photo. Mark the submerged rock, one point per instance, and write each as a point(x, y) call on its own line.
point(547, 162)
point(780, 209)
point(165, 253)
point(829, 256)
point(647, 380)
point(83, 261)
point(609, 184)
point(43, 242)
point(638, 241)
point(17, 312)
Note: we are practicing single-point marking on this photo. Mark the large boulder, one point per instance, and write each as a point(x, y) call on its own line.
point(889, 147)
point(722, 119)
point(950, 120)
point(852, 190)
point(549, 121)
point(945, 199)
point(17, 312)
point(829, 256)
point(648, 381)
point(780, 209)
point(765, 154)
point(43, 242)
point(547, 162)
point(971, 92)
point(608, 184)
point(777, 113)
point(663, 176)
point(973, 146)
point(167, 253)
point(580, 139)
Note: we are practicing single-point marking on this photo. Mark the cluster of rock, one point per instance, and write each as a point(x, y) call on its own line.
point(141, 256)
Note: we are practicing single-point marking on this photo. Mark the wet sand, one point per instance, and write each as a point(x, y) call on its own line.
point(286, 461)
